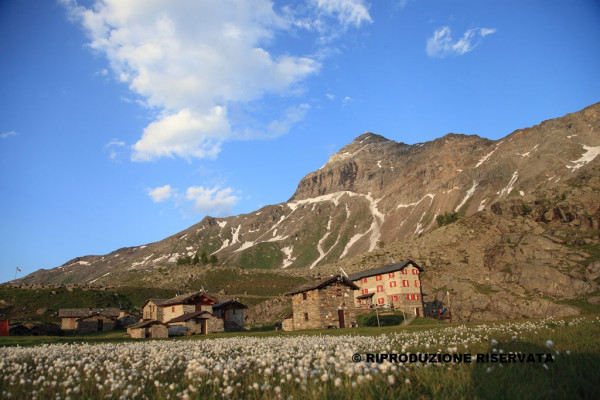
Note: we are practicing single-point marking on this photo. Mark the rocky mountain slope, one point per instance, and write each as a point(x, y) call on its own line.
point(376, 193)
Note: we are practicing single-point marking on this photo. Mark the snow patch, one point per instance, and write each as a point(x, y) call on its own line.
point(288, 260)
point(430, 195)
point(99, 277)
point(469, 194)
point(236, 235)
point(379, 163)
point(222, 224)
point(225, 244)
point(522, 193)
point(181, 238)
point(351, 242)
point(589, 155)
point(484, 159)
point(244, 246)
point(524, 154)
point(482, 205)
point(419, 227)
point(509, 187)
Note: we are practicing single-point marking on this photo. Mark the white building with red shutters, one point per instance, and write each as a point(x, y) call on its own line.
point(396, 285)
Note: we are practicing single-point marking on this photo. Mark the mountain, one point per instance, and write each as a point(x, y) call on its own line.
point(376, 198)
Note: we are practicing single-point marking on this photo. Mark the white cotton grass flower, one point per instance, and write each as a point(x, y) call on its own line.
point(391, 380)
point(549, 343)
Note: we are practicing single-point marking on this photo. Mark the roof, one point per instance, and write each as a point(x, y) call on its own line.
point(231, 303)
point(84, 312)
point(188, 316)
point(384, 270)
point(145, 323)
point(186, 298)
point(322, 283)
point(155, 301)
point(111, 317)
point(365, 296)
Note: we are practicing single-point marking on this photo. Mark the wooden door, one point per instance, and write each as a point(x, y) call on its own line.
point(204, 326)
point(100, 325)
point(341, 318)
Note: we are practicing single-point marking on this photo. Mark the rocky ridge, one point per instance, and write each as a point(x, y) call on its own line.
point(377, 193)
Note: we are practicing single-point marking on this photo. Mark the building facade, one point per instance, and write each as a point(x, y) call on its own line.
point(328, 303)
point(397, 286)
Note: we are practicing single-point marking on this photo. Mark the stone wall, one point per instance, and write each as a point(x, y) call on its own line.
point(91, 324)
point(287, 324)
point(321, 307)
point(159, 331)
point(152, 311)
point(67, 323)
point(215, 325)
point(137, 333)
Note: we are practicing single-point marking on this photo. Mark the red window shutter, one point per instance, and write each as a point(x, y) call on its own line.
point(417, 283)
point(408, 297)
point(391, 275)
point(380, 288)
point(173, 309)
point(380, 301)
point(378, 278)
point(404, 271)
point(416, 297)
point(393, 284)
point(364, 291)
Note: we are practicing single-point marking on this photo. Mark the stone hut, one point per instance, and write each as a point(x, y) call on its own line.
point(69, 316)
point(165, 310)
point(287, 322)
point(328, 303)
point(232, 313)
point(151, 309)
point(395, 286)
point(148, 329)
point(198, 322)
point(95, 323)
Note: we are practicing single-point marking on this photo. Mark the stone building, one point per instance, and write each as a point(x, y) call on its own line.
point(69, 316)
point(148, 329)
point(232, 313)
point(195, 313)
point(95, 323)
point(199, 322)
point(396, 286)
point(328, 303)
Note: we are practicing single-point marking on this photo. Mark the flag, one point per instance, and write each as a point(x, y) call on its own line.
point(18, 269)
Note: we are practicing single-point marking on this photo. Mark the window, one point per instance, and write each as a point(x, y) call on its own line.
point(408, 297)
point(378, 278)
point(173, 309)
point(338, 292)
point(306, 316)
point(380, 288)
point(391, 275)
point(405, 283)
point(415, 272)
point(364, 291)
point(404, 271)
point(394, 298)
point(416, 297)
point(304, 296)
point(363, 280)
point(393, 284)
point(380, 301)
point(417, 283)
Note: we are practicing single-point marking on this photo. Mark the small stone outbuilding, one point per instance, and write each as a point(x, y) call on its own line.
point(95, 323)
point(69, 316)
point(198, 322)
point(328, 303)
point(148, 329)
point(232, 313)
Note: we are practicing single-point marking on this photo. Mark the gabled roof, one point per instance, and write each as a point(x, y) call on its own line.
point(322, 283)
point(188, 316)
point(231, 303)
point(384, 270)
point(155, 301)
point(145, 323)
point(187, 298)
point(104, 316)
point(84, 312)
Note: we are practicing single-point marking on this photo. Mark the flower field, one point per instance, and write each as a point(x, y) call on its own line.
point(317, 366)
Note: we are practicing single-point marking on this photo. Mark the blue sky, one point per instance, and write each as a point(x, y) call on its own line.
point(124, 122)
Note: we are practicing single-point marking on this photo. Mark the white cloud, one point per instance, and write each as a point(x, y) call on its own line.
point(330, 96)
point(441, 44)
point(213, 201)
point(6, 135)
point(189, 60)
point(115, 149)
point(161, 194)
point(348, 12)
